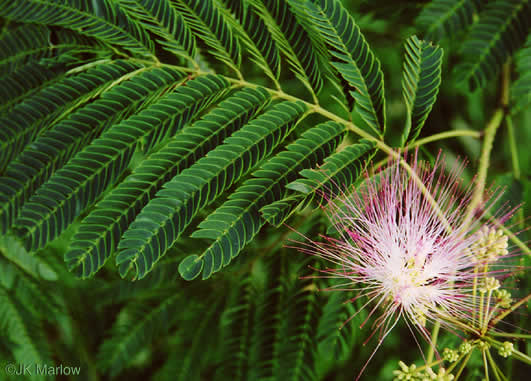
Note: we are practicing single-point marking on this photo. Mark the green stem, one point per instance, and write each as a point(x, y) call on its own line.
point(508, 311)
point(514, 149)
point(474, 294)
point(490, 133)
point(445, 135)
point(451, 367)
point(486, 317)
point(462, 367)
point(515, 353)
point(434, 335)
point(511, 335)
point(434, 138)
point(496, 370)
point(483, 353)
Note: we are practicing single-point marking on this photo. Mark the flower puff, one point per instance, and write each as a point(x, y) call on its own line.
point(407, 245)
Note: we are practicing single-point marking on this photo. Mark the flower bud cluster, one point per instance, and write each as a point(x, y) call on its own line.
point(490, 244)
point(506, 349)
point(490, 284)
point(504, 298)
point(450, 355)
point(465, 347)
point(412, 373)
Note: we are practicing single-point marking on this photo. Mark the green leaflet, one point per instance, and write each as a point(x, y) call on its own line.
point(162, 19)
point(352, 58)
point(35, 266)
point(339, 171)
point(238, 220)
point(26, 120)
point(162, 221)
point(135, 327)
point(420, 83)
point(521, 88)
point(501, 30)
point(296, 345)
point(79, 183)
point(13, 322)
point(293, 40)
point(253, 32)
point(185, 362)
point(102, 19)
point(23, 44)
point(54, 148)
point(443, 18)
point(100, 231)
point(26, 81)
point(21, 324)
point(206, 21)
point(31, 45)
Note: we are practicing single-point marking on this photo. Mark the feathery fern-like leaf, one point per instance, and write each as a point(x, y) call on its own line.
point(235, 329)
point(101, 230)
point(18, 325)
point(352, 58)
point(521, 88)
point(25, 82)
point(23, 44)
point(339, 171)
point(55, 147)
point(254, 34)
point(102, 19)
point(37, 44)
point(161, 18)
point(207, 22)
point(26, 120)
point(161, 222)
point(238, 220)
point(292, 40)
point(420, 83)
point(135, 327)
point(443, 18)
point(79, 183)
point(188, 364)
point(297, 347)
point(501, 29)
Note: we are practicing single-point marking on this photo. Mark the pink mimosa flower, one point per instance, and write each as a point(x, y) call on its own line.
point(410, 255)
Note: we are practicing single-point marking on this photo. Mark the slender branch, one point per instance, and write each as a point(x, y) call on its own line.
point(515, 352)
point(434, 138)
point(435, 336)
point(496, 370)
point(490, 132)
point(508, 311)
point(462, 367)
point(483, 353)
point(514, 148)
point(445, 135)
point(511, 335)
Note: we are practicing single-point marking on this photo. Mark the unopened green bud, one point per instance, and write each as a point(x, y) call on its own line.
point(490, 284)
point(465, 347)
point(506, 349)
point(450, 355)
point(504, 298)
point(490, 244)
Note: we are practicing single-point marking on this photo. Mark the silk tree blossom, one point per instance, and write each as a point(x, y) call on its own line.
point(408, 247)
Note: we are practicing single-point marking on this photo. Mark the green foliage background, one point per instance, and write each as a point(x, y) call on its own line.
point(143, 142)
